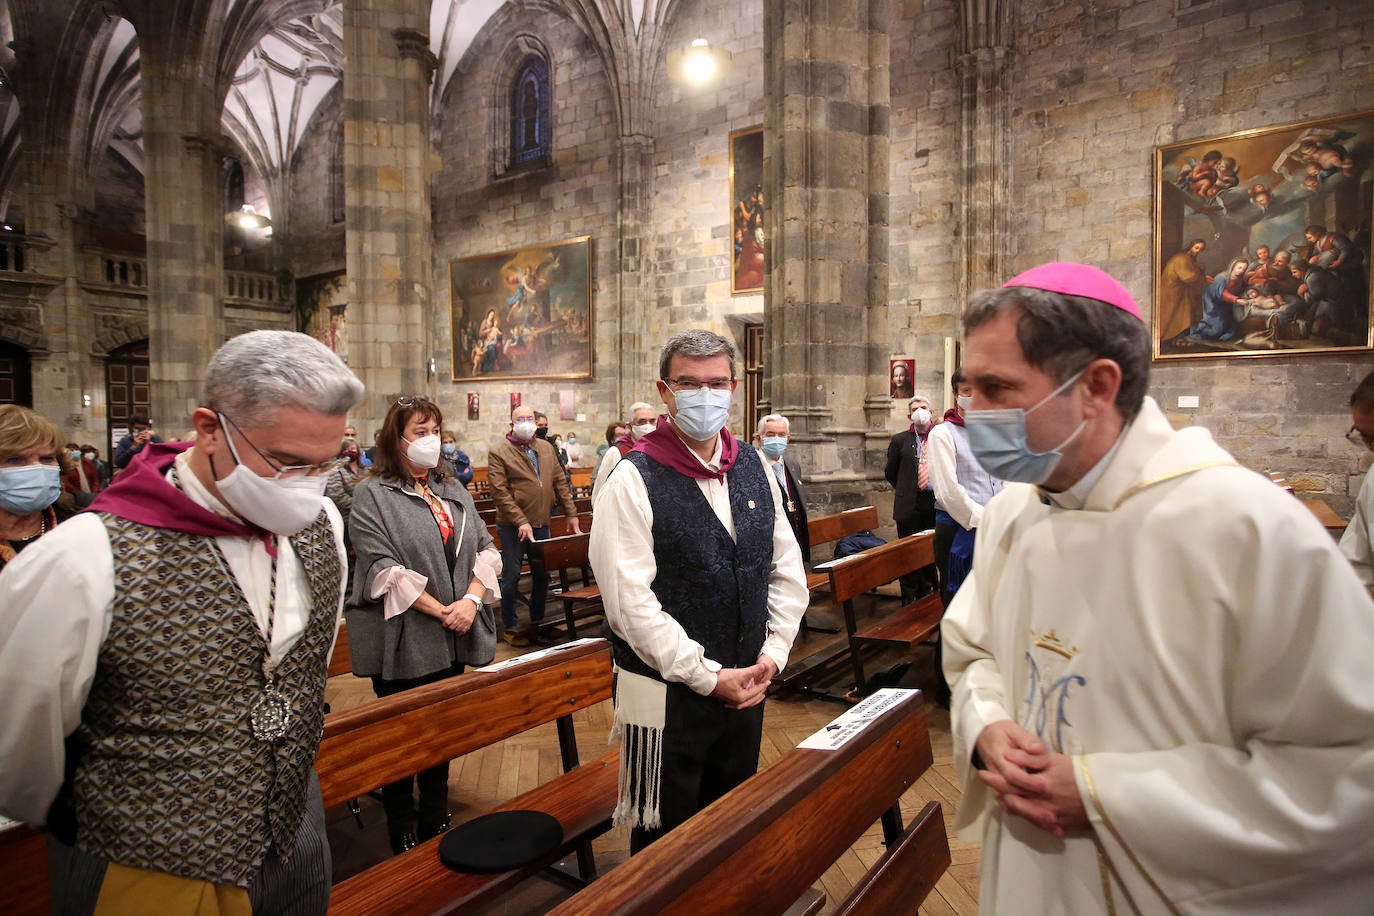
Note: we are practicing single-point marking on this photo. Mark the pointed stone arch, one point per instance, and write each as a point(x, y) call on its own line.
point(122, 335)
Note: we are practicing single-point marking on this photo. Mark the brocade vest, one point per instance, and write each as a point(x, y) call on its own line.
point(165, 771)
point(977, 483)
point(714, 586)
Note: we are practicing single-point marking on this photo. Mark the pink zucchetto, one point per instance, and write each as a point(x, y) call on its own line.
point(1077, 280)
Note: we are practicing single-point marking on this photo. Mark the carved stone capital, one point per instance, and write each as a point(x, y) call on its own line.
point(415, 44)
point(202, 145)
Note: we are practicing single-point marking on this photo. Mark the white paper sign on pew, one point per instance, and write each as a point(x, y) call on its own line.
point(854, 720)
point(532, 656)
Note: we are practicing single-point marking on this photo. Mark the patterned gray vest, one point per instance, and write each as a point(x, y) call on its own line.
point(167, 774)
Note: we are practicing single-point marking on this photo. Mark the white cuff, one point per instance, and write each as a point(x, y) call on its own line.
point(401, 587)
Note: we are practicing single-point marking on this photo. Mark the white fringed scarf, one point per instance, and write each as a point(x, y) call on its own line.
point(640, 703)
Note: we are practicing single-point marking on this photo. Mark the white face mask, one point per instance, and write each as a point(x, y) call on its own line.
point(524, 430)
point(965, 401)
point(640, 430)
point(921, 417)
point(424, 451)
point(283, 507)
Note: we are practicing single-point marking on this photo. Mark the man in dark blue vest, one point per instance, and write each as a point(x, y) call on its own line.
point(703, 586)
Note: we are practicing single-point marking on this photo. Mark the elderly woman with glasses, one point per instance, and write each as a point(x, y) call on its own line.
point(426, 573)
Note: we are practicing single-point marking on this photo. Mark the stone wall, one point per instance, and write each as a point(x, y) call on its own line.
point(690, 222)
point(476, 213)
point(1095, 86)
point(118, 192)
point(314, 242)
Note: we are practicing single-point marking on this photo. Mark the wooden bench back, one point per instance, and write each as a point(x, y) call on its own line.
point(23, 871)
point(580, 478)
point(828, 528)
point(567, 552)
point(393, 737)
point(865, 571)
point(341, 662)
point(762, 845)
point(561, 525)
point(906, 872)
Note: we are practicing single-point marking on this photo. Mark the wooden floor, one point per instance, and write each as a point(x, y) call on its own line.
point(480, 781)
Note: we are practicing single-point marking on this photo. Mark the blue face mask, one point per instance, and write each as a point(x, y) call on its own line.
point(999, 441)
point(701, 413)
point(774, 446)
point(29, 489)
point(450, 450)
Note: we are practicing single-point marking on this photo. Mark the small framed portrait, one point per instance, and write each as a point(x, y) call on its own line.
point(900, 374)
point(474, 406)
point(566, 406)
point(514, 400)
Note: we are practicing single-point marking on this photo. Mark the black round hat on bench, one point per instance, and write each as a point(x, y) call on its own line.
point(500, 841)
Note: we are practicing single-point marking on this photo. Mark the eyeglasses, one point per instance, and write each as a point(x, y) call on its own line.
point(690, 384)
point(1358, 437)
point(283, 472)
point(419, 400)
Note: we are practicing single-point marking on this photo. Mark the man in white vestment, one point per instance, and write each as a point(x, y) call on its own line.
point(1160, 662)
point(1355, 542)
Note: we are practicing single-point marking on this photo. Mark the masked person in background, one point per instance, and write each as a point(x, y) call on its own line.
point(703, 587)
point(32, 460)
point(163, 657)
point(962, 487)
point(455, 460)
point(643, 420)
point(913, 500)
point(525, 478)
point(771, 440)
point(426, 573)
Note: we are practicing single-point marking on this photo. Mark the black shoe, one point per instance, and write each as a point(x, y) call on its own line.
point(404, 841)
point(430, 831)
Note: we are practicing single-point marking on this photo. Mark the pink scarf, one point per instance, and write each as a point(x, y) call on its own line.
point(142, 494)
point(667, 448)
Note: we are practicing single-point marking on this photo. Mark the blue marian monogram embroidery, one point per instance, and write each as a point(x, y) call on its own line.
point(1047, 693)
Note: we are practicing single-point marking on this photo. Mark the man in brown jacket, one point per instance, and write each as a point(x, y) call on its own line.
point(524, 476)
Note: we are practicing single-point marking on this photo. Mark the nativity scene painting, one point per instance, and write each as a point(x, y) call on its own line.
point(1262, 241)
point(525, 313)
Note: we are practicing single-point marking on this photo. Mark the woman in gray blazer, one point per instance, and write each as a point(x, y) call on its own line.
point(427, 571)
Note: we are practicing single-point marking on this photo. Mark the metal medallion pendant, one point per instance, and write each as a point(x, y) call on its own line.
point(270, 716)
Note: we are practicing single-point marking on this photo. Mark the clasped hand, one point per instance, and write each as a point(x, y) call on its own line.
point(459, 615)
point(1030, 782)
point(740, 688)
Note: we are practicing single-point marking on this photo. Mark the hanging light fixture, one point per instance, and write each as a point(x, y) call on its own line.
point(698, 62)
point(247, 217)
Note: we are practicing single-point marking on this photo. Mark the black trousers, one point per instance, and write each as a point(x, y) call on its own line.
point(922, 582)
point(398, 799)
point(707, 751)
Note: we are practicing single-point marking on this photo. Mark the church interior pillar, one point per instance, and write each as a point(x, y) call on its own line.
point(387, 163)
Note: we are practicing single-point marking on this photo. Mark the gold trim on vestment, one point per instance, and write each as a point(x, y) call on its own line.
point(1121, 841)
point(1170, 476)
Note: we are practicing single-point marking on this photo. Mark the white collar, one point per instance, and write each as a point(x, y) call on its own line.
point(195, 490)
point(1076, 496)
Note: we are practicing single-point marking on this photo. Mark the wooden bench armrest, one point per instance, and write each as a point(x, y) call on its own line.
point(416, 882)
point(907, 871)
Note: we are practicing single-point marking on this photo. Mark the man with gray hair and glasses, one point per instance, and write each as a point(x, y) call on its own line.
point(163, 656)
point(1159, 660)
point(703, 587)
point(643, 418)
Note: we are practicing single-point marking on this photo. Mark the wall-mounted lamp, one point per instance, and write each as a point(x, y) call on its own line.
point(432, 369)
point(85, 400)
point(698, 62)
point(247, 218)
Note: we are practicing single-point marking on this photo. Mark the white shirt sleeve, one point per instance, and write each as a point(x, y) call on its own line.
point(944, 480)
point(609, 460)
point(55, 604)
point(1355, 545)
point(621, 550)
point(788, 595)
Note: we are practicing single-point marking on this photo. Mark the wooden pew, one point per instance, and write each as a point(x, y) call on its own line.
point(906, 873)
point(911, 625)
point(341, 662)
point(479, 485)
point(23, 871)
point(570, 552)
point(827, 528)
point(580, 479)
point(761, 847)
point(379, 742)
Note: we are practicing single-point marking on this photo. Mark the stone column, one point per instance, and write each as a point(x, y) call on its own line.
point(985, 110)
point(636, 352)
point(387, 167)
point(185, 229)
point(826, 176)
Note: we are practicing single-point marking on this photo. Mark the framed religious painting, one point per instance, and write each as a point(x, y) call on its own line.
point(901, 378)
point(523, 313)
point(747, 212)
point(474, 405)
point(1262, 241)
